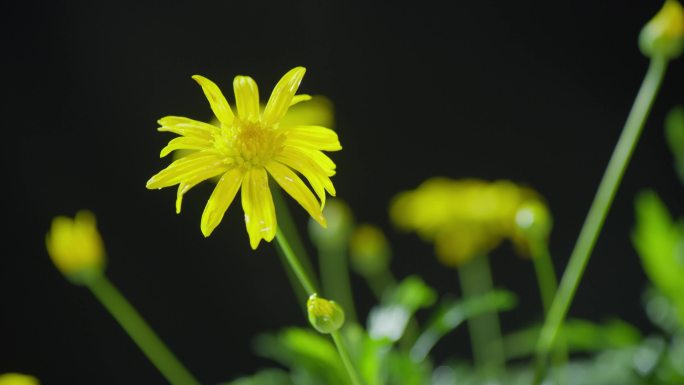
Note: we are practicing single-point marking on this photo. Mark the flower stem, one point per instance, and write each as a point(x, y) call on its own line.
point(546, 276)
point(485, 332)
point(310, 288)
point(344, 354)
point(599, 207)
point(296, 266)
point(136, 327)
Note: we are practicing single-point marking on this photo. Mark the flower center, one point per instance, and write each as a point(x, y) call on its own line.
point(248, 143)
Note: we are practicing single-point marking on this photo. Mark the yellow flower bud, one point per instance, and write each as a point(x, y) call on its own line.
point(369, 250)
point(663, 35)
point(324, 315)
point(76, 247)
point(17, 379)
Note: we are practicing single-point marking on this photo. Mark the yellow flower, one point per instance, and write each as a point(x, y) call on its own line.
point(76, 247)
point(464, 217)
point(17, 379)
point(244, 148)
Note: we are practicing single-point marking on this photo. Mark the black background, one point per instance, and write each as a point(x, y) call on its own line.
point(528, 91)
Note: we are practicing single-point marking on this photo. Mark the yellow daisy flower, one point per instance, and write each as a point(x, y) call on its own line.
point(244, 148)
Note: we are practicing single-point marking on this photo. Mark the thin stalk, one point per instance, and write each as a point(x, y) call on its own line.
point(310, 288)
point(136, 327)
point(346, 360)
point(546, 275)
point(485, 332)
point(295, 264)
point(599, 207)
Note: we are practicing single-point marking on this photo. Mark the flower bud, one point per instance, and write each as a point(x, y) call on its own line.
point(339, 218)
point(17, 379)
point(369, 250)
point(324, 315)
point(76, 248)
point(663, 35)
point(533, 220)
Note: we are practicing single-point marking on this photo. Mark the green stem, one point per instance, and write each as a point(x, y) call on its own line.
point(310, 288)
point(346, 360)
point(546, 275)
point(296, 266)
point(599, 207)
point(485, 332)
point(136, 327)
point(335, 277)
point(379, 283)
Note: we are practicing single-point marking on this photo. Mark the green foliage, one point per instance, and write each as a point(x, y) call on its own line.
point(659, 242)
point(674, 133)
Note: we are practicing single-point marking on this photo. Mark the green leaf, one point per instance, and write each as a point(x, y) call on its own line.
point(660, 244)
point(451, 313)
point(389, 319)
point(578, 335)
point(264, 377)
point(307, 353)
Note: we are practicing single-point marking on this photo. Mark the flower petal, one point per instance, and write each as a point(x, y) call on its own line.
point(314, 173)
point(184, 168)
point(186, 127)
point(185, 143)
point(185, 185)
point(246, 98)
point(294, 186)
point(217, 101)
point(220, 199)
point(257, 203)
point(282, 95)
point(300, 98)
point(314, 137)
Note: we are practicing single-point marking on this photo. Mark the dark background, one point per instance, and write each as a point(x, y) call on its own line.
point(529, 91)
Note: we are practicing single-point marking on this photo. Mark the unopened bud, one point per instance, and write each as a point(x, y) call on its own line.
point(663, 35)
point(324, 315)
point(339, 218)
point(76, 248)
point(533, 220)
point(369, 250)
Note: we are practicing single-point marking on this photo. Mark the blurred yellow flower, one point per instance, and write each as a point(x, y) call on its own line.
point(463, 217)
point(76, 247)
point(18, 379)
point(243, 149)
point(369, 250)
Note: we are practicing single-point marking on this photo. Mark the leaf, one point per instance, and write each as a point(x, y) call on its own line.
point(578, 335)
point(306, 353)
point(452, 313)
point(389, 319)
point(264, 377)
point(660, 244)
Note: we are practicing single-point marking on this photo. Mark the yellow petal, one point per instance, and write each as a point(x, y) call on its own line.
point(294, 186)
point(185, 143)
point(185, 185)
point(246, 98)
point(184, 168)
point(257, 203)
point(282, 95)
point(217, 101)
point(313, 137)
point(187, 127)
point(220, 199)
point(300, 98)
point(314, 173)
